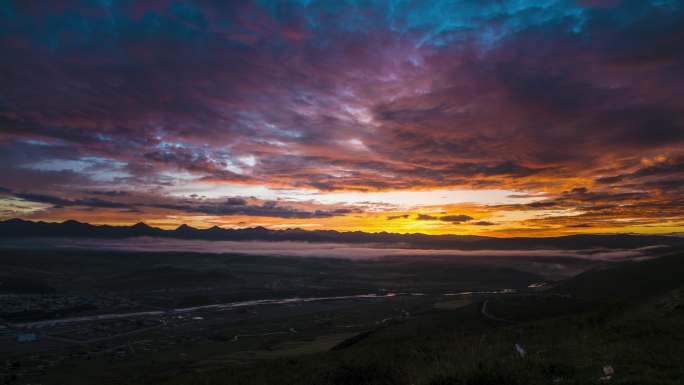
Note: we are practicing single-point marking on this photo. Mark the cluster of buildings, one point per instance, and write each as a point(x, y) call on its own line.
point(19, 336)
point(36, 306)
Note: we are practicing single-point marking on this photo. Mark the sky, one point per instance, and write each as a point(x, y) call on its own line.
point(488, 117)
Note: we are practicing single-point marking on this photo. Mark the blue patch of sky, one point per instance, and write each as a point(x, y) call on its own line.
point(7, 11)
point(103, 138)
point(434, 22)
point(33, 142)
point(96, 168)
point(164, 145)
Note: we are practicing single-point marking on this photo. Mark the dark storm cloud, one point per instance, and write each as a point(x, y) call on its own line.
point(229, 206)
point(138, 95)
point(582, 198)
point(661, 168)
point(61, 202)
point(267, 209)
point(111, 193)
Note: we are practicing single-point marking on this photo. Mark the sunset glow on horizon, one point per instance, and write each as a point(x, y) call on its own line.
point(497, 118)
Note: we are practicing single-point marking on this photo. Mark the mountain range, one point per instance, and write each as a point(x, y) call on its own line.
point(18, 228)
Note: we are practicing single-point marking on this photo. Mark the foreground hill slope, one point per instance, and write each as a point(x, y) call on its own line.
point(628, 281)
point(565, 339)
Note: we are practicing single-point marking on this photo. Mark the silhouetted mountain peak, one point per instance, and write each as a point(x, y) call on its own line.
point(141, 226)
point(184, 227)
point(16, 221)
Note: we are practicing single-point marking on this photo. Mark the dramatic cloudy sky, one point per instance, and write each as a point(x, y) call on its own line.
point(486, 117)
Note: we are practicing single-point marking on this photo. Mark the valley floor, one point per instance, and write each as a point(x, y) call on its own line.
point(620, 323)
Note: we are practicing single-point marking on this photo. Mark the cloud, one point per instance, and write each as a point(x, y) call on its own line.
point(111, 193)
point(232, 206)
point(454, 219)
point(267, 209)
point(483, 223)
point(61, 202)
point(540, 99)
point(426, 217)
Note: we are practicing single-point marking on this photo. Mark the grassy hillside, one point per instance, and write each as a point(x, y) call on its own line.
point(628, 281)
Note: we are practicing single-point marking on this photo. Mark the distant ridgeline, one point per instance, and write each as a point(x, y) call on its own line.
point(17, 228)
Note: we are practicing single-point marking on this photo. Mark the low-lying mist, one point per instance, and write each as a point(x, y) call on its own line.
point(316, 250)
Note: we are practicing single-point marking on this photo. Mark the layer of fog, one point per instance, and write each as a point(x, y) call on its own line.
point(318, 250)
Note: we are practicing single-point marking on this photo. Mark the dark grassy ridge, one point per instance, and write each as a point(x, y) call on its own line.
point(456, 347)
point(628, 281)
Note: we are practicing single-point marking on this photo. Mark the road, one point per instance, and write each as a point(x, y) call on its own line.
point(221, 306)
point(487, 314)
